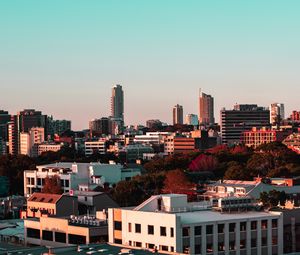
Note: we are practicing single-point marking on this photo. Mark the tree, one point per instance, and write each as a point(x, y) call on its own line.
point(177, 182)
point(273, 198)
point(203, 163)
point(236, 171)
point(52, 185)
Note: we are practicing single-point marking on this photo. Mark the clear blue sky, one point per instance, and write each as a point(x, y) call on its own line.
point(63, 56)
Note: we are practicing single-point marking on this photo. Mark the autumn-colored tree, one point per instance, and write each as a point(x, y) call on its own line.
point(203, 163)
point(52, 185)
point(177, 182)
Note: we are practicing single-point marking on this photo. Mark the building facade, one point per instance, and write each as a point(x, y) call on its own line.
point(206, 109)
point(191, 119)
point(242, 118)
point(276, 113)
point(168, 223)
point(117, 103)
point(177, 114)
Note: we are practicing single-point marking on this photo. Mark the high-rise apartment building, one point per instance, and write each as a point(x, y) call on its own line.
point(23, 122)
point(242, 118)
point(206, 109)
point(117, 103)
point(191, 119)
point(29, 141)
point(177, 114)
point(276, 113)
point(4, 120)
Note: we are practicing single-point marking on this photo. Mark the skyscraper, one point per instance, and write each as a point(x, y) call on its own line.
point(206, 109)
point(177, 114)
point(117, 103)
point(276, 113)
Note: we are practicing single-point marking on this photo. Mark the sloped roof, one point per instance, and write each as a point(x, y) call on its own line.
point(44, 198)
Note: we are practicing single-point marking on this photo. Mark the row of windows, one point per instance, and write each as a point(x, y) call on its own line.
point(232, 245)
point(232, 227)
point(150, 229)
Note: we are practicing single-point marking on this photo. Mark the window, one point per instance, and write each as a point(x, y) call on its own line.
point(85, 198)
point(33, 233)
point(243, 226)
point(77, 239)
point(209, 229)
point(138, 244)
point(221, 246)
point(163, 231)
point(242, 244)
point(129, 227)
point(172, 232)
point(198, 230)
point(118, 225)
point(264, 224)
point(220, 228)
point(150, 230)
point(60, 237)
point(186, 231)
point(47, 235)
point(137, 228)
point(231, 227)
point(150, 246)
point(164, 248)
point(253, 242)
point(172, 249)
point(274, 240)
point(209, 248)
point(263, 241)
point(253, 225)
point(67, 183)
point(197, 249)
point(39, 181)
point(274, 223)
point(232, 245)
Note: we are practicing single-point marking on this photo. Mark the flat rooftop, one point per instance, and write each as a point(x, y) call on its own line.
point(98, 249)
point(213, 216)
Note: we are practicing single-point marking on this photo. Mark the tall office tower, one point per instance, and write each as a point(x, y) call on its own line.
point(206, 109)
point(117, 103)
point(242, 118)
point(191, 119)
point(276, 113)
point(177, 114)
point(13, 136)
point(4, 120)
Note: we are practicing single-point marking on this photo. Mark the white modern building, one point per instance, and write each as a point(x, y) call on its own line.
point(92, 147)
point(74, 174)
point(45, 147)
point(154, 138)
point(170, 224)
point(29, 141)
point(191, 119)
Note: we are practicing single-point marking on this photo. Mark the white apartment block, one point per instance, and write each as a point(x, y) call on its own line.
point(45, 147)
point(92, 147)
point(72, 175)
point(155, 138)
point(168, 223)
point(29, 141)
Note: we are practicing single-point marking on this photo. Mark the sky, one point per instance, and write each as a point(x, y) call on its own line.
point(64, 56)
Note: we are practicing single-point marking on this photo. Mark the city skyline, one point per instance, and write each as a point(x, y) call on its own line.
point(63, 59)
